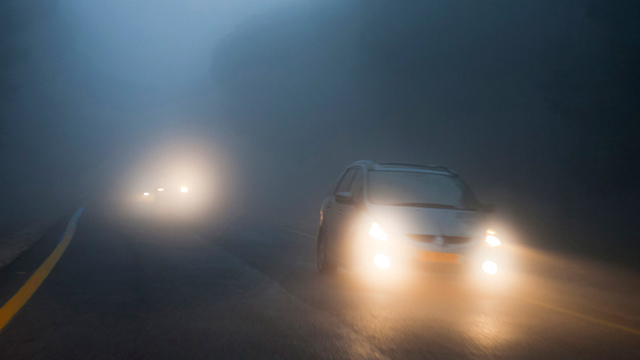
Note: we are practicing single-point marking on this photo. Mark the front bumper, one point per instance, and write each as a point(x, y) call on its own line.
point(410, 256)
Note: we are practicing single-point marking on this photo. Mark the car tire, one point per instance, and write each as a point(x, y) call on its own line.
point(325, 265)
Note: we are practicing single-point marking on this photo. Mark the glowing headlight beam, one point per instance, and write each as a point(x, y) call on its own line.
point(490, 267)
point(145, 194)
point(160, 189)
point(377, 233)
point(493, 241)
point(382, 261)
point(184, 189)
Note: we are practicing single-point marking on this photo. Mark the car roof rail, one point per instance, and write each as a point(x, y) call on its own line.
point(370, 165)
point(366, 163)
point(418, 166)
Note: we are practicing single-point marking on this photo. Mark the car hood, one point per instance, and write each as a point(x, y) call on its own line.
point(427, 221)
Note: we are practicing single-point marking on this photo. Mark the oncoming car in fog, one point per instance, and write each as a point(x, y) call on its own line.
point(398, 216)
point(164, 195)
point(168, 202)
point(162, 191)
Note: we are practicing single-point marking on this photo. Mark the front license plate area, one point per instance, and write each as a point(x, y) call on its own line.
point(431, 256)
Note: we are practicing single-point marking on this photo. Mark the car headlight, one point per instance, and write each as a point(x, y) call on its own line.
point(382, 261)
point(491, 239)
point(490, 267)
point(376, 232)
point(184, 189)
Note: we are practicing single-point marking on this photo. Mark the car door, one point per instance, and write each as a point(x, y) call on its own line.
point(332, 210)
point(346, 218)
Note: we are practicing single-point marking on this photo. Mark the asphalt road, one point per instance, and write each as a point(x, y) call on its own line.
point(141, 290)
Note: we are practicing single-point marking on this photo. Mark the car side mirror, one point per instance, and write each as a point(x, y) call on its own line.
point(344, 197)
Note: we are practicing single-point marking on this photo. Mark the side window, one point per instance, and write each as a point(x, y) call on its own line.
point(345, 182)
point(357, 186)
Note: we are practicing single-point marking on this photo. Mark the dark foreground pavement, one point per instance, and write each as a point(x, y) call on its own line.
point(127, 289)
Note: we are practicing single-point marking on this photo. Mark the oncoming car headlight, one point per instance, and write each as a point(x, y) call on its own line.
point(376, 232)
point(491, 239)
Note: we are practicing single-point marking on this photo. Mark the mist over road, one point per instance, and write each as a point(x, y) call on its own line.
point(128, 288)
point(254, 108)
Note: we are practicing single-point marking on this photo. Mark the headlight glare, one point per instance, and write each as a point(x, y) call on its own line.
point(493, 241)
point(376, 232)
point(490, 267)
point(382, 261)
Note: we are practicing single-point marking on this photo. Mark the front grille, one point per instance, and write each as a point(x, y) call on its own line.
point(448, 240)
point(422, 238)
point(456, 239)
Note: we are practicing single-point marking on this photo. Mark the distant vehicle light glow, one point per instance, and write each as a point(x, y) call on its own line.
point(160, 189)
point(377, 233)
point(490, 267)
point(491, 232)
point(493, 241)
point(184, 189)
point(382, 261)
point(145, 194)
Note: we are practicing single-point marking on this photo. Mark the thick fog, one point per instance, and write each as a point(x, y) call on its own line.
point(535, 104)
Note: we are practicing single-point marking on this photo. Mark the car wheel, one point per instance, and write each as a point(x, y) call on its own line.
point(325, 266)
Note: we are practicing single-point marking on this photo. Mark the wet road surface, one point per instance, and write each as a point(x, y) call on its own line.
point(134, 289)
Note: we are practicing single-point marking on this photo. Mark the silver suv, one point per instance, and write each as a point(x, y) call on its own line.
point(391, 216)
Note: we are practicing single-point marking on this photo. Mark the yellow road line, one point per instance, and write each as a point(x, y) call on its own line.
point(582, 316)
point(8, 310)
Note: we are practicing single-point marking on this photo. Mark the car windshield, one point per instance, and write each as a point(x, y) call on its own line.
point(419, 189)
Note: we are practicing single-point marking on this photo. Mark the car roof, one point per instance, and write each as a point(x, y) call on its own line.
point(434, 169)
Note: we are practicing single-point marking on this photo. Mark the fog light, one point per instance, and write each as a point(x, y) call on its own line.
point(490, 267)
point(184, 189)
point(382, 261)
point(145, 194)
